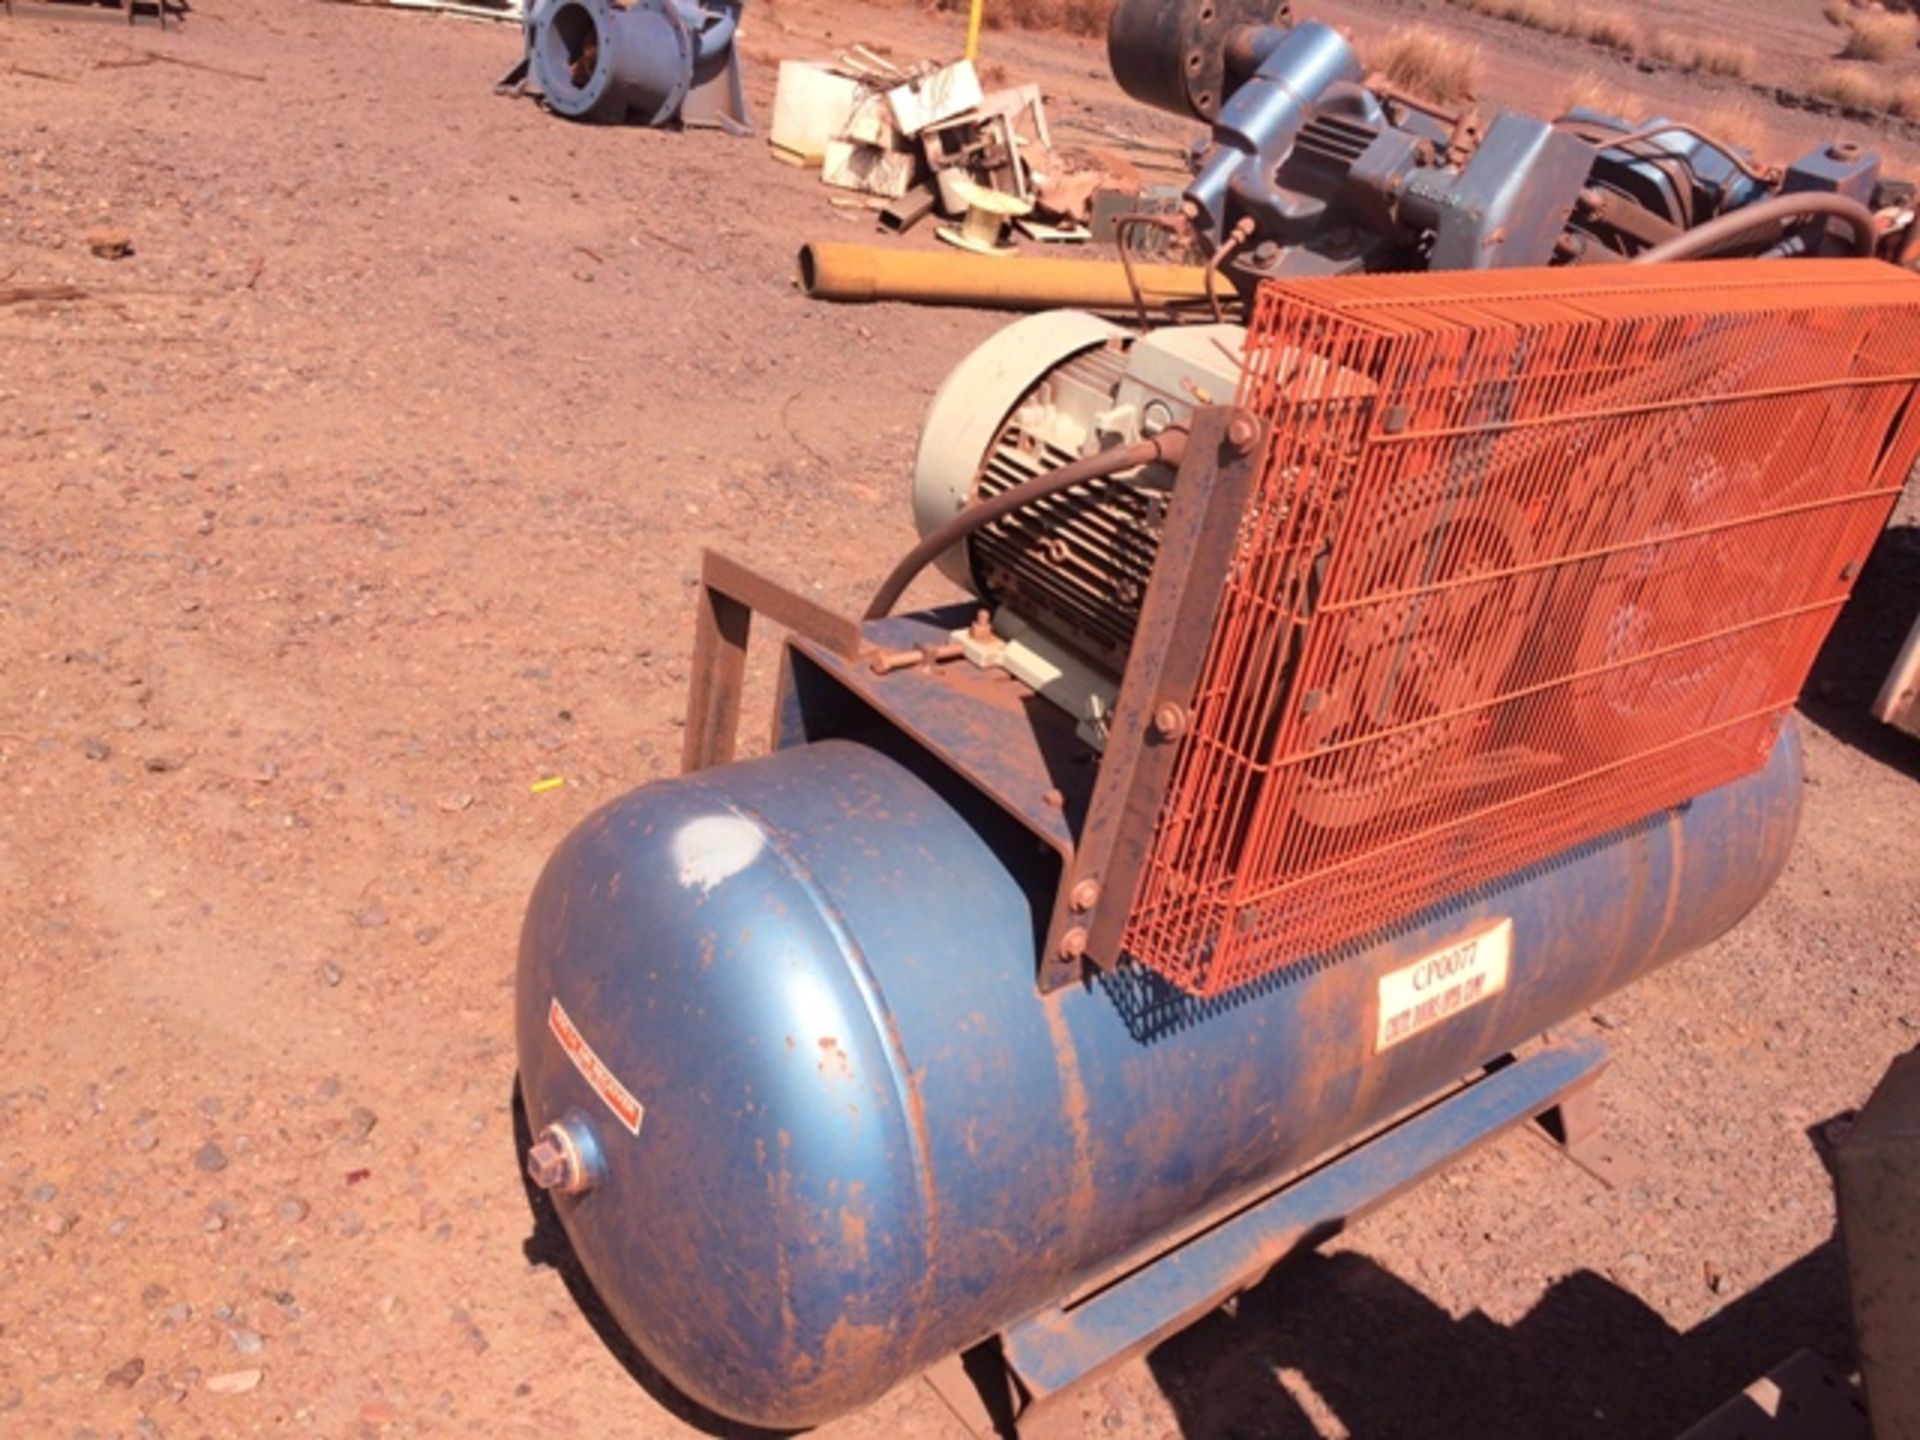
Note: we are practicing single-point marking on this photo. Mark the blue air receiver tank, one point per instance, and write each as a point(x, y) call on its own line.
point(825, 1134)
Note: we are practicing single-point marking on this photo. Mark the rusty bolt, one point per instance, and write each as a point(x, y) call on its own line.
point(982, 627)
point(1243, 433)
point(1170, 721)
point(1085, 895)
point(549, 1166)
point(1054, 800)
point(1073, 944)
point(554, 1163)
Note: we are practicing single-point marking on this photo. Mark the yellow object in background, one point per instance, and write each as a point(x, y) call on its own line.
point(552, 782)
point(973, 29)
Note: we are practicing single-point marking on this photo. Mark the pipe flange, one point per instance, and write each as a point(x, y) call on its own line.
point(572, 54)
point(686, 45)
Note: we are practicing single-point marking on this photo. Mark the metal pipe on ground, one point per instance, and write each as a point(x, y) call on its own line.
point(831, 271)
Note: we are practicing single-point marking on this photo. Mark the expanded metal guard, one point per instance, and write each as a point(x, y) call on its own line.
point(1533, 555)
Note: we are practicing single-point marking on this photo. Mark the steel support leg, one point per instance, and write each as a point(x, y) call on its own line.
point(1575, 1129)
point(1052, 1353)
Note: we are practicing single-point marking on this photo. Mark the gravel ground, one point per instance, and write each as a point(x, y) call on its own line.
point(365, 494)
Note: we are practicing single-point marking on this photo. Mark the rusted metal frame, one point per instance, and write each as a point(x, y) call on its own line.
point(730, 594)
point(1056, 1352)
point(977, 1390)
point(999, 751)
point(1210, 495)
point(1632, 220)
point(1575, 1129)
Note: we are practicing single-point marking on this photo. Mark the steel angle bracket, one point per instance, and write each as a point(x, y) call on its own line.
point(730, 594)
point(1052, 1354)
point(1097, 819)
point(1224, 449)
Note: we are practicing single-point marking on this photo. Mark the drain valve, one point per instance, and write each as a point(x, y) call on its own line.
point(556, 1162)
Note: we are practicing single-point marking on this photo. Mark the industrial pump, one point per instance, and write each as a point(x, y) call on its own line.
point(1349, 691)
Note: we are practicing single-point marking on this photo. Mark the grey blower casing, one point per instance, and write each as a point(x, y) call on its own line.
point(661, 62)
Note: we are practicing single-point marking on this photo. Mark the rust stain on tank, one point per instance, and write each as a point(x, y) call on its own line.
point(852, 1348)
point(780, 1194)
point(1073, 1109)
point(853, 1236)
point(917, 1122)
point(834, 1063)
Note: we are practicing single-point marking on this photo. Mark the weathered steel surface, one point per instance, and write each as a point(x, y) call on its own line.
point(1019, 751)
point(1196, 548)
point(1060, 1347)
point(867, 1144)
point(728, 597)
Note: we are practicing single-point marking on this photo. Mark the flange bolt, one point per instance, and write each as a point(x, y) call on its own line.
point(1243, 433)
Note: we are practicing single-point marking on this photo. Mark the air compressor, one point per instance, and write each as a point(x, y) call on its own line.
point(1344, 699)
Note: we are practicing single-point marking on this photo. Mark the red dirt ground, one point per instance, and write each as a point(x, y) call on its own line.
point(365, 494)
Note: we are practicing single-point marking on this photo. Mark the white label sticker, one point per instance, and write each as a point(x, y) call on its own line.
point(1440, 985)
point(627, 1110)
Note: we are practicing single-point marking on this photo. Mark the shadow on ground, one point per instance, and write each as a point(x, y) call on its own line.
point(1868, 635)
point(1590, 1361)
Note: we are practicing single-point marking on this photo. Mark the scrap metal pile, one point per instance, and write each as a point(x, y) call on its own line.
point(924, 139)
point(1314, 167)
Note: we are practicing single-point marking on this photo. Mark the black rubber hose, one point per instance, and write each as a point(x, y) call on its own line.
point(1707, 238)
point(1168, 446)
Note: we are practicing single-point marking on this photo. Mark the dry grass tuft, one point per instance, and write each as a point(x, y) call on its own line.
point(1429, 64)
point(1589, 92)
point(1620, 31)
point(1550, 15)
point(1727, 57)
point(1672, 49)
point(1708, 57)
point(1853, 88)
point(1879, 36)
point(1076, 17)
point(1611, 29)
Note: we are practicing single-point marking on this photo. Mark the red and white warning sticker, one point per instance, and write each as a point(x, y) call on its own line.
point(1441, 984)
point(627, 1110)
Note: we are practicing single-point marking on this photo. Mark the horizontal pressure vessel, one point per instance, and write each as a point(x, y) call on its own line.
point(834, 1133)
